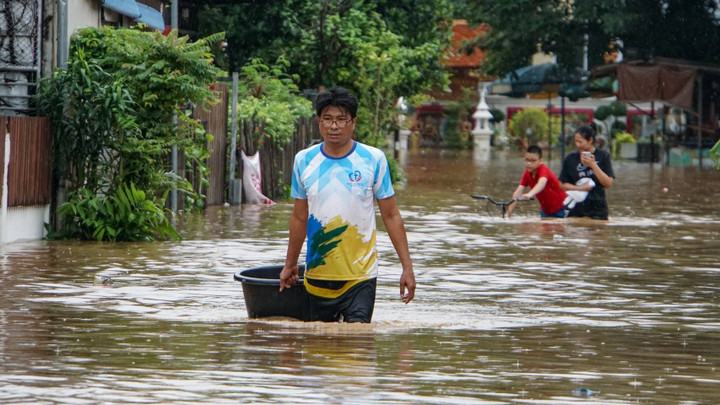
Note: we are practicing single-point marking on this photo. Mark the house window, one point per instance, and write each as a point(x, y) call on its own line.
point(19, 55)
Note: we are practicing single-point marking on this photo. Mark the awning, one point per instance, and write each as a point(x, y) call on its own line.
point(673, 85)
point(124, 7)
point(151, 17)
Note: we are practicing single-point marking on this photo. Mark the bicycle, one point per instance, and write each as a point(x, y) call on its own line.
point(502, 204)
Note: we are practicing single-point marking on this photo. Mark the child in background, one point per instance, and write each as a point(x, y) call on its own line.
point(542, 185)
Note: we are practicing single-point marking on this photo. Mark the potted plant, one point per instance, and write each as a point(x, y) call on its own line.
point(626, 145)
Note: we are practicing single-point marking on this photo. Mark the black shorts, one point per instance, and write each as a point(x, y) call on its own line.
point(595, 209)
point(355, 305)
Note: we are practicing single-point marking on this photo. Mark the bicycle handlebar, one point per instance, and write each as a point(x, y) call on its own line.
point(501, 203)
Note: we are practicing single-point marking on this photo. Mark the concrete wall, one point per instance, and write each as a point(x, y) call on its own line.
point(83, 13)
point(25, 223)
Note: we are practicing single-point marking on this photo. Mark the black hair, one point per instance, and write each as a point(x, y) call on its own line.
point(588, 131)
point(336, 97)
point(534, 149)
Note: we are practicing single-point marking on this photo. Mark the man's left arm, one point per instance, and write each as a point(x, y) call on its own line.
point(396, 230)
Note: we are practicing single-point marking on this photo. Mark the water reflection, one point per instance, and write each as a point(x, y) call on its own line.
point(507, 311)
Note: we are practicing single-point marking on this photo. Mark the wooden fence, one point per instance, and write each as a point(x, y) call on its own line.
point(31, 155)
point(276, 160)
point(30, 160)
point(215, 120)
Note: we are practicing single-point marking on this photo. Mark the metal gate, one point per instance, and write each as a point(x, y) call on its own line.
point(20, 30)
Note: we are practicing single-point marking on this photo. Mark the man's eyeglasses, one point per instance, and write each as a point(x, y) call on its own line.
point(339, 122)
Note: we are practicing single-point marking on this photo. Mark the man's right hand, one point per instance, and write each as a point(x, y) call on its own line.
point(288, 276)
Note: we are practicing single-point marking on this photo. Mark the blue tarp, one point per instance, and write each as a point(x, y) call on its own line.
point(124, 7)
point(151, 17)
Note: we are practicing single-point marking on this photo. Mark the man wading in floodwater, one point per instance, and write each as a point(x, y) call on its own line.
point(334, 185)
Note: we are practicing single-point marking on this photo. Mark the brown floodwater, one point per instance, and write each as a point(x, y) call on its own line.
point(507, 311)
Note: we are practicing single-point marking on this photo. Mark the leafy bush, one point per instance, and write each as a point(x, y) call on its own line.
point(456, 137)
point(269, 95)
point(497, 116)
point(612, 112)
point(126, 215)
point(396, 173)
point(117, 111)
point(161, 75)
point(536, 120)
point(603, 112)
point(91, 115)
point(618, 109)
point(624, 137)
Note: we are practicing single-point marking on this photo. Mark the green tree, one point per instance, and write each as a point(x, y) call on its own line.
point(519, 28)
point(370, 64)
point(425, 28)
point(353, 47)
point(611, 111)
point(255, 30)
point(268, 94)
point(347, 43)
point(669, 28)
point(457, 121)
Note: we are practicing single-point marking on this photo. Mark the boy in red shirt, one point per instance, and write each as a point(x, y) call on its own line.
point(543, 185)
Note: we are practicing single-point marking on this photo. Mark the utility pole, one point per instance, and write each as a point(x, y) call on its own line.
point(174, 150)
point(62, 40)
point(235, 196)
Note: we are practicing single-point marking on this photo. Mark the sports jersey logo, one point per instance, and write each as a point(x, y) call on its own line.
point(584, 170)
point(355, 176)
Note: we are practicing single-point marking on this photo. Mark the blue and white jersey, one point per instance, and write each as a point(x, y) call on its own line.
point(341, 215)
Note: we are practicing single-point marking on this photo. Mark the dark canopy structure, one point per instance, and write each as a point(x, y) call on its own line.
point(691, 86)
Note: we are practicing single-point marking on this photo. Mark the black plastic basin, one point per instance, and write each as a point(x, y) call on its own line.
point(263, 298)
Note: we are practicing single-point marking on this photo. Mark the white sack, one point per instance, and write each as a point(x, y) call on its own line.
point(252, 179)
